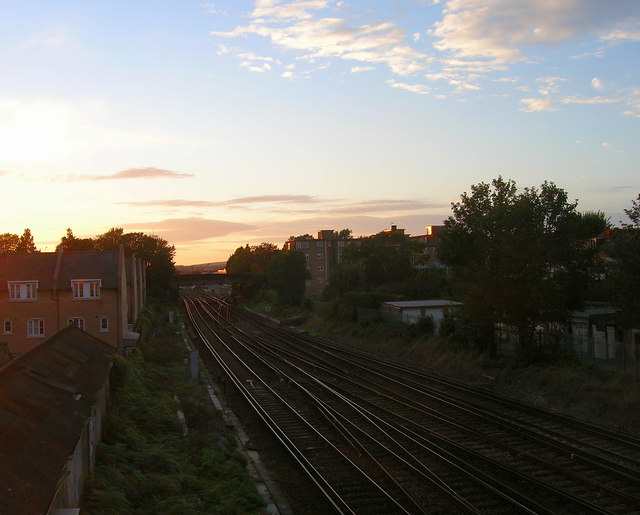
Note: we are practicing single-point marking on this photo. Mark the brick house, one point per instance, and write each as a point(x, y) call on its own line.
point(40, 293)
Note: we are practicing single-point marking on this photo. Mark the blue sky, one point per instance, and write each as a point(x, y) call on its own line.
point(224, 123)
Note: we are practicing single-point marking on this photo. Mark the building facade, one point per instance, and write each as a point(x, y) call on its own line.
point(321, 254)
point(42, 292)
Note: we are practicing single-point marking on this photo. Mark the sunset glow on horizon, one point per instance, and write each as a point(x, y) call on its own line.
point(215, 125)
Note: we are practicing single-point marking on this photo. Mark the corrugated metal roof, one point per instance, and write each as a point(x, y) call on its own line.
point(46, 398)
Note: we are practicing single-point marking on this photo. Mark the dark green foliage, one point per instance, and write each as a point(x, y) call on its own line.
point(145, 465)
point(384, 257)
point(287, 273)
point(625, 270)
point(521, 258)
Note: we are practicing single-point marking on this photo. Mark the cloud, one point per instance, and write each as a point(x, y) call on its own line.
point(531, 105)
point(420, 89)
point(596, 83)
point(609, 146)
point(291, 26)
point(501, 31)
point(240, 201)
point(4, 172)
point(183, 230)
point(135, 173)
point(358, 69)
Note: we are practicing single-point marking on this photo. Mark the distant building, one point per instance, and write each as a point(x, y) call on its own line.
point(321, 255)
point(410, 311)
point(428, 257)
point(42, 292)
point(52, 402)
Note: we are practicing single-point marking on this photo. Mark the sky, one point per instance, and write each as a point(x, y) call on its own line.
point(220, 124)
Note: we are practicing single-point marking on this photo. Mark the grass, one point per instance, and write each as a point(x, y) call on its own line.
point(144, 463)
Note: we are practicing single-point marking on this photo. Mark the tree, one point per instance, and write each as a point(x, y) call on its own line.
point(153, 250)
point(385, 258)
point(287, 273)
point(70, 242)
point(26, 243)
point(252, 259)
point(625, 271)
point(9, 242)
point(519, 257)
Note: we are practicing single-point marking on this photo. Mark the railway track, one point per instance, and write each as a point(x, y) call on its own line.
point(376, 436)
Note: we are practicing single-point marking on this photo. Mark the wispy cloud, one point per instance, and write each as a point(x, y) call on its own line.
point(183, 230)
point(468, 43)
point(134, 173)
point(240, 201)
point(608, 146)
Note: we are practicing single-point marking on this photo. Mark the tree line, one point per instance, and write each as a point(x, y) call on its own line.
point(155, 252)
point(522, 258)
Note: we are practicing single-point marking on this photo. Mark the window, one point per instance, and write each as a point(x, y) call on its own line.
point(35, 327)
point(302, 244)
point(77, 321)
point(320, 268)
point(23, 291)
point(7, 327)
point(306, 256)
point(86, 289)
point(319, 255)
point(104, 324)
point(320, 243)
point(320, 280)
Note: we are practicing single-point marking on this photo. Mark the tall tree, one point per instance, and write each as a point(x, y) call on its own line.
point(153, 250)
point(287, 273)
point(626, 268)
point(519, 257)
point(26, 243)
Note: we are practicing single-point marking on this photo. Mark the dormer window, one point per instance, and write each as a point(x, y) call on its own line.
point(86, 288)
point(23, 290)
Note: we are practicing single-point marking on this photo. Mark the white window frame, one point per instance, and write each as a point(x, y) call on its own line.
point(35, 328)
point(104, 324)
point(86, 289)
point(320, 243)
point(320, 268)
point(7, 326)
point(319, 255)
point(77, 321)
point(302, 244)
point(22, 291)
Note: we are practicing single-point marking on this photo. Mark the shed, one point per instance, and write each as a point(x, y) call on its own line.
point(52, 401)
point(410, 311)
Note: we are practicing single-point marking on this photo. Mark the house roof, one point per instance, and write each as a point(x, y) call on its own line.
point(46, 397)
point(41, 266)
point(25, 267)
point(89, 265)
point(408, 304)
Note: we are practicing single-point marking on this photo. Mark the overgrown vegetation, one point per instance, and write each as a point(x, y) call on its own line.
point(584, 391)
point(145, 463)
